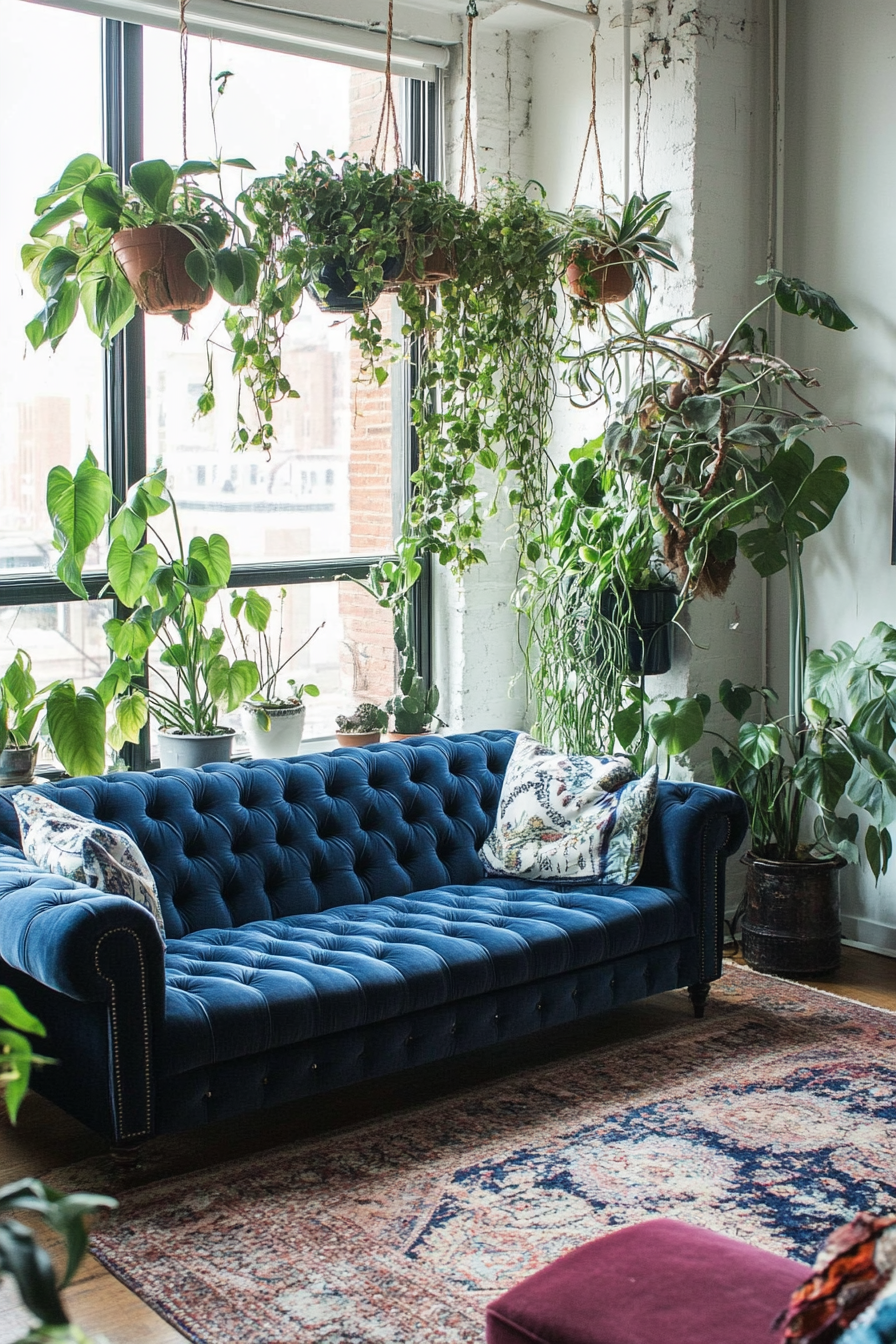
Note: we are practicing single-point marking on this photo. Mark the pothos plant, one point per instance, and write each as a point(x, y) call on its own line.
point(341, 228)
point(728, 469)
point(77, 268)
point(168, 588)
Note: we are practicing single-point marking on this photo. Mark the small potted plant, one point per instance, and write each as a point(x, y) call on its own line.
point(413, 708)
point(606, 253)
point(167, 592)
point(362, 728)
point(159, 242)
point(272, 720)
point(21, 705)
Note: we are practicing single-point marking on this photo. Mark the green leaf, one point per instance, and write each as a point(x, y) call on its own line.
point(76, 721)
point(759, 743)
point(737, 699)
point(678, 727)
point(153, 180)
point(234, 274)
point(76, 173)
point(15, 1015)
point(130, 638)
point(103, 202)
point(108, 303)
point(131, 714)
point(131, 570)
point(229, 684)
point(872, 784)
point(60, 212)
point(195, 167)
point(214, 557)
point(196, 265)
point(78, 506)
point(627, 725)
point(258, 610)
point(796, 297)
point(823, 775)
point(701, 413)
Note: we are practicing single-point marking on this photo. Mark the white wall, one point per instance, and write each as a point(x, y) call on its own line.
point(840, 205)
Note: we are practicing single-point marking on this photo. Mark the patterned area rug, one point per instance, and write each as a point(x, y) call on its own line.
point(773, 1120)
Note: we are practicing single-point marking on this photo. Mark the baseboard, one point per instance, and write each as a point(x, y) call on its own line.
point(868, 935)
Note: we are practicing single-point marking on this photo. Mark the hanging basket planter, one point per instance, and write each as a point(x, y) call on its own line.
point(153, 262)
point(438, 264)
point(333, 288)
point(648, 637)
point(599, 277)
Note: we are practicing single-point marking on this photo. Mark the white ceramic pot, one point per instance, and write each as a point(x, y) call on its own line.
point(17, 765)
point(190, 750)
point(284, 735)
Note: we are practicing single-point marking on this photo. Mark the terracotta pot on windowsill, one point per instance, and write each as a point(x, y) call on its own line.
point(598, 276)
point(152, 259)
point(357, 739)
point(401, 737)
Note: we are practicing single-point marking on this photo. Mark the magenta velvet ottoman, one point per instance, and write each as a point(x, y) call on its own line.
point(660, 1282)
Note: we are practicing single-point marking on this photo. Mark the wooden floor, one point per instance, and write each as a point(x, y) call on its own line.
point(46, 1138)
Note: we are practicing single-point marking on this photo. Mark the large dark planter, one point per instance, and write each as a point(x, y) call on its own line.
point(649, 636)
point(792, 920)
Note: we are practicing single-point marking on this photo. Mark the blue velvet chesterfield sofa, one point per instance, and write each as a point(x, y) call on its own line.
point(327, 921)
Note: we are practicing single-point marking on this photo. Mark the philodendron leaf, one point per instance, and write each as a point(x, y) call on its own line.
point(796, 297)
point(76, 721)
point(257, 610)
point(78, 506)
point(14, 1015)
point(234, 274)
point(736, 698)
point(214, 557)
point(130, 571)
point(103, 202)
point(701, 413)
point(196, 265)
point(131, 714)
point(153, 181)
point(229, 684)
point(759, 744)
point(872, 784)
point(627, 725)
point(878, 850)
point(678, 727)
point(75, 174)
point(130, 638)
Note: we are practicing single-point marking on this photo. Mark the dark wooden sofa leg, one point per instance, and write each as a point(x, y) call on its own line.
point(126, 1155)
point(698, 994)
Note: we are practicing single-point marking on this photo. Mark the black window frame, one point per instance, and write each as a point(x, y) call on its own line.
point(124, 373)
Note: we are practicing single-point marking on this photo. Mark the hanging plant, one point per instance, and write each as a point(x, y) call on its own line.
point(727, 468)
point(606, 254)
point(159, 242)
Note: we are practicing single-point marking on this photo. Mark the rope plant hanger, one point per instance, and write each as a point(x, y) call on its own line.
point(184, 57)
point(468, 148)
point(591, 9)
point(388, 113)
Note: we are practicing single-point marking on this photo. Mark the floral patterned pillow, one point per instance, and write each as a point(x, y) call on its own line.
point(86, 851)
point(570, 819)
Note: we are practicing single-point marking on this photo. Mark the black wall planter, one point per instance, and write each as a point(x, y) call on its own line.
point(649, 636)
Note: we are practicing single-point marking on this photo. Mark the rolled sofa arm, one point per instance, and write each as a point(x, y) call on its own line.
point(74, 939)
point(693, 830)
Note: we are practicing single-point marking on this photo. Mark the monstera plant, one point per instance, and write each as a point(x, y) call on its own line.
point(167, 590)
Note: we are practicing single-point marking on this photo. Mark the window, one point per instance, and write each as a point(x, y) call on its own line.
point(327, 500)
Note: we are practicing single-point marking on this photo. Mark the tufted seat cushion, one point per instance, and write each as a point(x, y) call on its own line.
point(233, 992)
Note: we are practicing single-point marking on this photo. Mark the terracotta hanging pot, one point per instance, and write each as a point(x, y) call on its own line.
point(599, 277)
point(440, 264)
point(152, 260)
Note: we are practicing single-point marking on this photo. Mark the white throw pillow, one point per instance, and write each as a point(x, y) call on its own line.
point(86, 851)
point(565, 818)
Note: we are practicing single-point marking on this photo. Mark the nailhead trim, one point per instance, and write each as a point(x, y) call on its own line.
point(116, 1054)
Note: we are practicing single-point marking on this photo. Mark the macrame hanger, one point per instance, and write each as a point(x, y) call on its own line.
point(468, 150)
point(184, 50)
point(591, 10)
point(388, 114)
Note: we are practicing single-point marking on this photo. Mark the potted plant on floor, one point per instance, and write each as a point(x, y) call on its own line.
point(363, 727)
point(168, 589)
point(273, 720)
point(605, 253)
point(158, 241)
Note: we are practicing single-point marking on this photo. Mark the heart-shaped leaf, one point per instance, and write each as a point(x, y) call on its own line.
point(229, 684)
point(130, 571)
point(796, 297)
point(153, 180)
point(76, 721)
point(78, 504)
point(214, 557)
point(678, 727)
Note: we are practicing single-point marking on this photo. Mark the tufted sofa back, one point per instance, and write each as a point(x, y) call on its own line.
point(230, 844)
